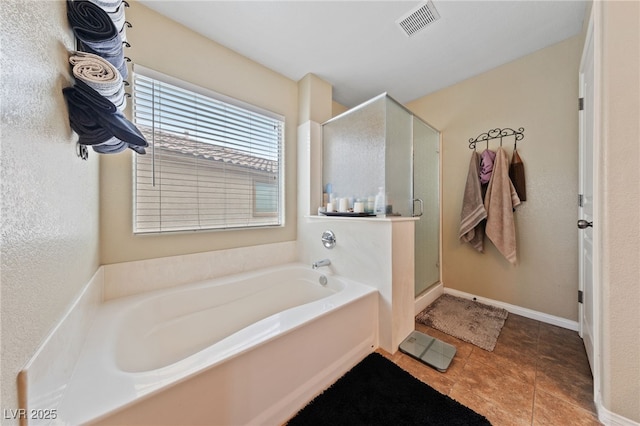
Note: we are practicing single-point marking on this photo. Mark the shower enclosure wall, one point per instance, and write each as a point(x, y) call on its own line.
point(381, 144)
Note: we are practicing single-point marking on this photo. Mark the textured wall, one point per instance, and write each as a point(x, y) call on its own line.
point(49, 196)
point(537, 92)
point(620, 208)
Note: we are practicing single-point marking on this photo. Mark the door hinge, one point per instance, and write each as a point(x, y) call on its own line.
point(580, 200)
point(580, 296)
point(580, 104)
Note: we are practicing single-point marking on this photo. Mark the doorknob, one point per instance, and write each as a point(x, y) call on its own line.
point(583, 224)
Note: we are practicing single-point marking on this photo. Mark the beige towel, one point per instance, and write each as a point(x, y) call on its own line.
point(473, 210)
point(500, 200)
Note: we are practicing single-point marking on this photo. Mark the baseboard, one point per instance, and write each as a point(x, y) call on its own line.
point(427, 297)
point(528, 313)
point(612, 419)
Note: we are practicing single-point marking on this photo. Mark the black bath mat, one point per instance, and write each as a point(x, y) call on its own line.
point(378, 392)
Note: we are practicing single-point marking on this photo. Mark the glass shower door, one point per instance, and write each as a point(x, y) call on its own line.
point(426, 187)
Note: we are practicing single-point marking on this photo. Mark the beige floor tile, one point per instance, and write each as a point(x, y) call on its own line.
point(537, 374)
point(566, 384)
point(549, 410)
point(497, 387)
point(516, 368)
point(497, 415)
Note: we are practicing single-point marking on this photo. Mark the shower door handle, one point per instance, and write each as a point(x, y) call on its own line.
point(583, 224)
point(421, 207)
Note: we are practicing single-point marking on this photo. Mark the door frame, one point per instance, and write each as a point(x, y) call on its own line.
point(593, 36)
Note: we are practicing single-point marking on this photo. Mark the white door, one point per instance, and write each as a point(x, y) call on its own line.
point(586, 199)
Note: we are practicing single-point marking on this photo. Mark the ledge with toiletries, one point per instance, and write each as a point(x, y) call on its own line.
point(351, 206)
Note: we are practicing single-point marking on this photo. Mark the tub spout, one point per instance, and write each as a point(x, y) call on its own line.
point(319, 263)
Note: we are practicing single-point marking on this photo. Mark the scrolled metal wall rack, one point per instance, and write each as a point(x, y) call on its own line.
point(498, 133)
point(81, 150)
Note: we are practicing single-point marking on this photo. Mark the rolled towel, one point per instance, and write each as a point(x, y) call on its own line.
point(109, 117)
point(111, 148)
point(96, 32)
point(100, 75)
point(116, 12)
point(83, 122)
point(109, 6)
point(98, 122)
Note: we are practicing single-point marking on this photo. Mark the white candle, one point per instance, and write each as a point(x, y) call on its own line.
point(343, 205)
point(358, 207)
point(329, 207)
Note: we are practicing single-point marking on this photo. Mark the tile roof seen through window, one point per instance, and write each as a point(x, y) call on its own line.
point(189, 146)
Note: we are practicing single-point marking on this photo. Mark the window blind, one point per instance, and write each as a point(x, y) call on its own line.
point(213, 162)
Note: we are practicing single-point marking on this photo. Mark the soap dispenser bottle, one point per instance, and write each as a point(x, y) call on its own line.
point(379, 206)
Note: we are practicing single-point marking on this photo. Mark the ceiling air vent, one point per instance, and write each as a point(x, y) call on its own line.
point(417, 19)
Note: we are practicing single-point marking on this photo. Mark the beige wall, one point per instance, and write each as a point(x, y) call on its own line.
point(537, 92)
point(49, 196)
point(165, 46)
point(337, 109)
point(620, 207)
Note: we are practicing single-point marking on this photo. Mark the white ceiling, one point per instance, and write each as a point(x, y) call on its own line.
point(358, 47)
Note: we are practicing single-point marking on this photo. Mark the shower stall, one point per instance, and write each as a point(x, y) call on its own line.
point(381, 144)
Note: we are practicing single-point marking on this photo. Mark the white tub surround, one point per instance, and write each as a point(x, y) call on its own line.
point(128, 278)
point(221, 351)
point(44, 379)
point(374, 251)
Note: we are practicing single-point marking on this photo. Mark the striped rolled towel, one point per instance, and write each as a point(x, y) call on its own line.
point(100, 75)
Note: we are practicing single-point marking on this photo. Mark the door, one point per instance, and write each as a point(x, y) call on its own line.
point(586, 199)
point(426, 192)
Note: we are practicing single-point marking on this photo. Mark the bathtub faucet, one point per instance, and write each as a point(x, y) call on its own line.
point(319, 263)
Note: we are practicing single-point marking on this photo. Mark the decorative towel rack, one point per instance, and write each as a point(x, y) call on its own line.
point(498, 133)
point(113, 10)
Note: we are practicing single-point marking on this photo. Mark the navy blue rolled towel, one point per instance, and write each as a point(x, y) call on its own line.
point(98, 122)
point(83, 120)
point(96, 32)
point(108, 116)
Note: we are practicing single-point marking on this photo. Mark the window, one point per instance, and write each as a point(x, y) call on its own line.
point(212, 162)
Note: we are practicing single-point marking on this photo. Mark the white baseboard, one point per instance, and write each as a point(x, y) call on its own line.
point(605, 416)
point(612, 419)
point(528, 313)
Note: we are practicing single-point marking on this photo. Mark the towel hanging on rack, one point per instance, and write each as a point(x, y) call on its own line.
point(486, 165)
point(516, 173)
point(473, 212)
point(500, 200)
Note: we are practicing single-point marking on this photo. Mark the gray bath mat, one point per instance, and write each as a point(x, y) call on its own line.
point(465, 319)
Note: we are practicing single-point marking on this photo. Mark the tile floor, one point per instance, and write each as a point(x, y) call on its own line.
point(538, 374)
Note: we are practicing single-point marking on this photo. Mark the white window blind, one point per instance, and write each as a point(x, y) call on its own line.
point(212, 162)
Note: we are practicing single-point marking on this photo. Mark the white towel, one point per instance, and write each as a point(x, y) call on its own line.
point(499, 201)
point(473, 210)
point(100, 75)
